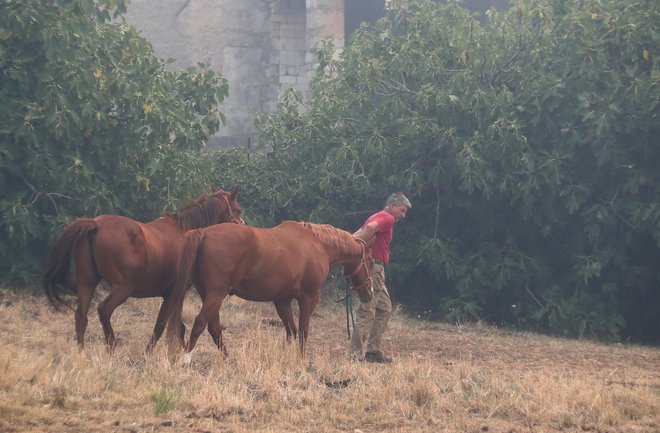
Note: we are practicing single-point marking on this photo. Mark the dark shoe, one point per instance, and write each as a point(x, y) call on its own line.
point(377, 357)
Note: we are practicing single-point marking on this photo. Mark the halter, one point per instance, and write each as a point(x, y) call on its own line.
point(232, 217)
point(363, 263)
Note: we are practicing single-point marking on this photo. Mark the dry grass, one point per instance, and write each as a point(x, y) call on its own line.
point(445, 378)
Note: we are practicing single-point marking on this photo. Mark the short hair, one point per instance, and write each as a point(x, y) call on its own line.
point(397, 199)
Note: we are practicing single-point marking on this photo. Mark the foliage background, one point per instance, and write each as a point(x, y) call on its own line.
point(91, 123)
point(527, 145)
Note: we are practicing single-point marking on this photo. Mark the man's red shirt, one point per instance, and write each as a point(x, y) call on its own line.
point(380, 249)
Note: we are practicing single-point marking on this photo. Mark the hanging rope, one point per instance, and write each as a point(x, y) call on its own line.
point(348, 298)
point(349, 311)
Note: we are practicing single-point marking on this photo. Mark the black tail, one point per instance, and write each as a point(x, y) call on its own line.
point(57, 279)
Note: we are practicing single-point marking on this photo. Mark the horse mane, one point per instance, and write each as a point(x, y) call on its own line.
point(200, 213)
point(340, 239)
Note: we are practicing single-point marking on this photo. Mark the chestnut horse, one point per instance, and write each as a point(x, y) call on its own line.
point(279, 264)
point(137, 259)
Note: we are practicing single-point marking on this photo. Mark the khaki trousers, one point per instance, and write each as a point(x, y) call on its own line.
point(371, 318)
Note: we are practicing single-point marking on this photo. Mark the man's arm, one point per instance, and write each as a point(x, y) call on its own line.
point(367, 232)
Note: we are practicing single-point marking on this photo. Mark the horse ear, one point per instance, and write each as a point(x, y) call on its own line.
point(213, 188)
point(234, 193)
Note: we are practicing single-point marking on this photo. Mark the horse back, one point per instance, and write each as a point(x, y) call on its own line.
point(261, 264)
point(129, 252)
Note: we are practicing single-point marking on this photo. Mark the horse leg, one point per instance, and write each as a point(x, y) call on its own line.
point(210, 309)
point(284, 311)
point(306, 305)
point(215, 329)
point(86, 280)
point(118, 295)
point(214, 326)
point(159, 327)
point(84, 293)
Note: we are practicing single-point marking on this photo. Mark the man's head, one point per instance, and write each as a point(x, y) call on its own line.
point(398, 205)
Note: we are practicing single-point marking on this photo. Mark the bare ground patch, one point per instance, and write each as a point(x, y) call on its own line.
point(445, 378)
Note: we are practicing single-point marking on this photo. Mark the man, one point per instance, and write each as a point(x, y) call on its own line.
point(372, 317)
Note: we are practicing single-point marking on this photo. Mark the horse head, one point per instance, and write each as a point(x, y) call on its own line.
point(230, 200)
point(360, 277)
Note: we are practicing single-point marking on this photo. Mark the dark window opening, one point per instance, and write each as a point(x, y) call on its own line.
point(358, 11)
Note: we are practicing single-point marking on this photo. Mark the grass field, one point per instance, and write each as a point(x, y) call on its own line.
point(445, 378)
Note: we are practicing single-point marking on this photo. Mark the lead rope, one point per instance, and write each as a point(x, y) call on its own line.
point(348, 315)
point(349, 312)
point(350, 318)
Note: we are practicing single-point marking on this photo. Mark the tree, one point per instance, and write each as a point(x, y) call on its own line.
point(91, 123)
point(594, 115)
point(527, 147)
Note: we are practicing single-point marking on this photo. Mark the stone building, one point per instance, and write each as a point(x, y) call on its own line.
point(262, 47)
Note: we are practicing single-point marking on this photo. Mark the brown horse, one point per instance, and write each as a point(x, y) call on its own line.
point(290, 261)
point(137, 260)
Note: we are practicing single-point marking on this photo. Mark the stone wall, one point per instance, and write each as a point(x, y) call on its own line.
point(262, 47)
